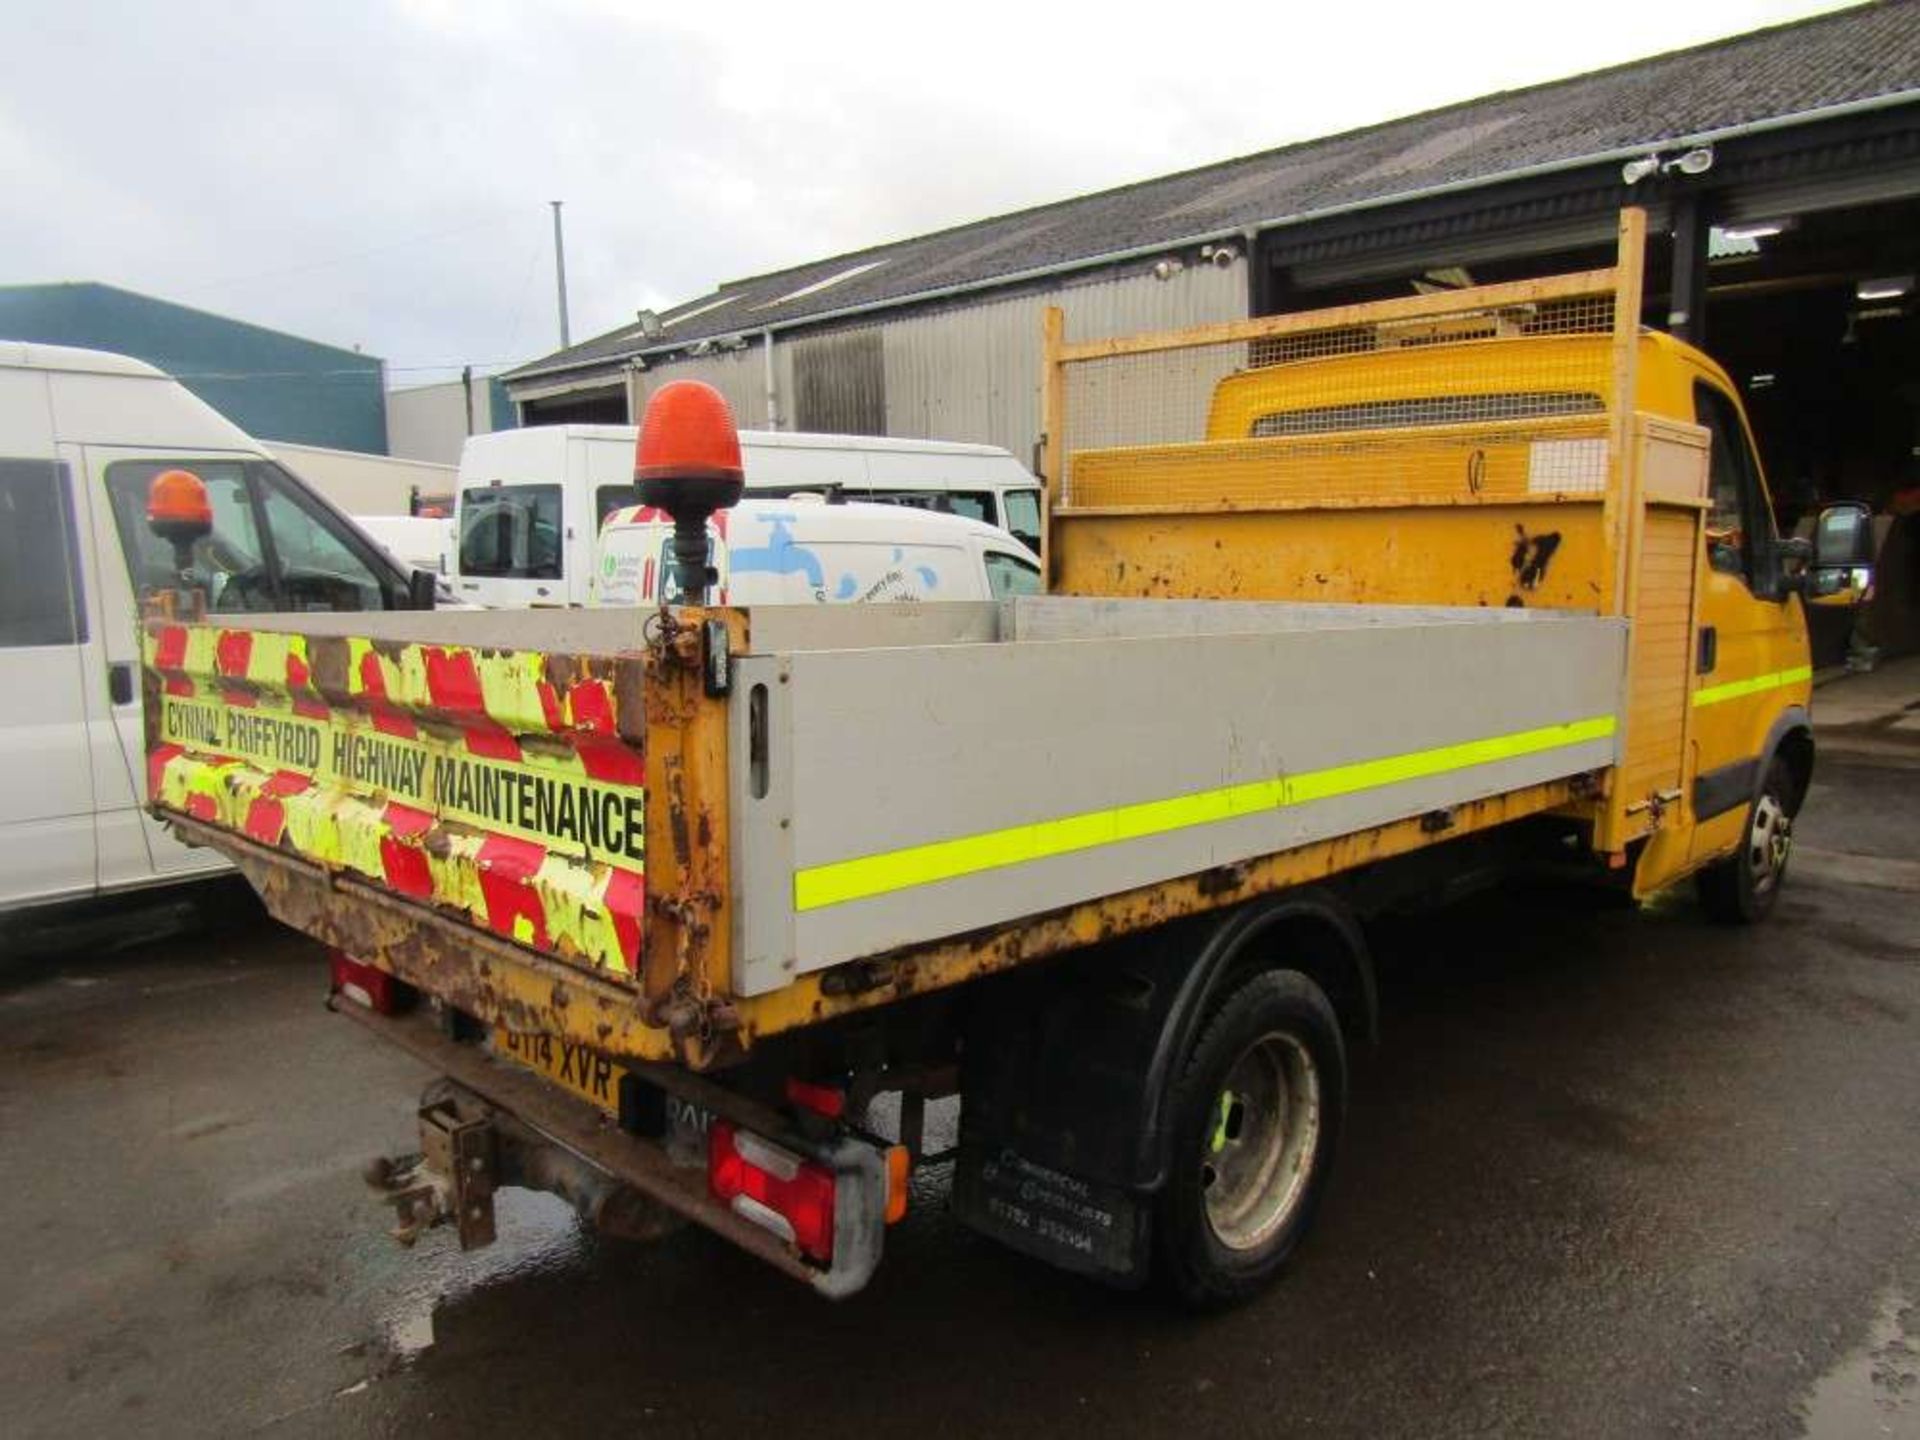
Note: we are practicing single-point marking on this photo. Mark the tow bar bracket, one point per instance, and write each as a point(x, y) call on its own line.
point(450, 1181)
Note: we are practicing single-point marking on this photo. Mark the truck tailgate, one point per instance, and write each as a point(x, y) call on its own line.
point(504, 786)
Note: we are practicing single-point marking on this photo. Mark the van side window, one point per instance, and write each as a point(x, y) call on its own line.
point(319, 568)
point(272, 548)
point(1009, 575)
point(40, 600)
point(1739, 520)
point(511, 532)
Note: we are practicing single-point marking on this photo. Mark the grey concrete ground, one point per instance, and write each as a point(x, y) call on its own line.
point(1610, 1174)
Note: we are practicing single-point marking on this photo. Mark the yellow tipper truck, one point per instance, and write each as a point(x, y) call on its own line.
point(695, 909)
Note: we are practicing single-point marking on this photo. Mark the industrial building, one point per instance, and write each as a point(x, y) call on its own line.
point(1780, 170)
point(432, 422)
point(272, 385)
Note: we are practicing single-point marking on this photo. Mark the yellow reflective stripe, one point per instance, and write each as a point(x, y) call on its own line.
point(870, 875)
point(1734, 689)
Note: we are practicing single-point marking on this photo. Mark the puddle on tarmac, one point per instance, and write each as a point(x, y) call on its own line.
point(1876, 1390)
point(537, 1233)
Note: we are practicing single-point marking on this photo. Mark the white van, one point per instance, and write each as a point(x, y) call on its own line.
point(530, 502)
point(82, 434)
point(417, 542)
point(802, 550)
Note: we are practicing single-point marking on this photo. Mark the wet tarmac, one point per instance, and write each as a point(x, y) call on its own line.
point(1610, 1174)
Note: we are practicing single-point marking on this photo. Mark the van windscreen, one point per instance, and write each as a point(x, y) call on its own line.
point(609, 498)
point(1023, 517)
point(511, 532)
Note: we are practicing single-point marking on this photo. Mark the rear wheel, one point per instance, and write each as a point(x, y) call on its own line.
point(1742, 888)
point(1256, 1111)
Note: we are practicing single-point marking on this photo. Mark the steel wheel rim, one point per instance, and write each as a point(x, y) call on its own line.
point(1769, 838)
point(1257, 1149)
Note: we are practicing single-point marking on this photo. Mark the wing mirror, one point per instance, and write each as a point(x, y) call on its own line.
point(1843, 536)
point(423, 589)
point(1842, 553)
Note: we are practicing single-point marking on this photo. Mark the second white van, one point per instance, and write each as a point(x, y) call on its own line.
point(805, 551)
point(530, 502)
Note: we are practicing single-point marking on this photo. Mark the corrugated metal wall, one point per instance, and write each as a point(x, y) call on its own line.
point(974, 373)
point(970, 373)
point(740, 375)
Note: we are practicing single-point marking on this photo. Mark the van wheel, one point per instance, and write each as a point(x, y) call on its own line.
point(1255, 1112)
point(1742, 888)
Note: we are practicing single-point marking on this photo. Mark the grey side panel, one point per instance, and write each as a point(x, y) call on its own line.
point(1059, 617)
point(891, 749)
point(777, 629)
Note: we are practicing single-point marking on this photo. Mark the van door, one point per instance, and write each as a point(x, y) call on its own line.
point(1752, 661)
point(46, 787)
point(602, 482)
point(1020, 516)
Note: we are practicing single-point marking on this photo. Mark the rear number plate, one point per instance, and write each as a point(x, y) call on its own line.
point(592, 1077)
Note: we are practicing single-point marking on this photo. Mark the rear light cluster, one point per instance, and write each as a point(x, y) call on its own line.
point(773, 1187)
point(369, 985)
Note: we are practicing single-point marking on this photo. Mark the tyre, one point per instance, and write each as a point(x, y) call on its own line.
point(1256, 1111)
point(1742, 888)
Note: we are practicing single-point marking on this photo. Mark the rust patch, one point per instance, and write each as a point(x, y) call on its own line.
point(1222, 880)
point(677, 812)
point(329, 662)
point(1531, 556)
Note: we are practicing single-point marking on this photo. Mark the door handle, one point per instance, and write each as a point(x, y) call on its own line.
point(1709, 650)
point(120, 682)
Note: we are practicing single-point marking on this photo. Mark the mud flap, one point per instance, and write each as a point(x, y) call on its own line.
point(1089, 1227)
point(1056, 1156)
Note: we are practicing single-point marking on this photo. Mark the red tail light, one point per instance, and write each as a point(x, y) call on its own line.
point(822, 1100)
point(369, 985)
point(773, 1187)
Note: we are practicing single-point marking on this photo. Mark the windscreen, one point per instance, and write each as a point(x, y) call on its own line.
point(511, 532)
point(609, 498)
point(1399, 413)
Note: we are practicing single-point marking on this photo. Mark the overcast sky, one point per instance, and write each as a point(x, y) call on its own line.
point(375, 172)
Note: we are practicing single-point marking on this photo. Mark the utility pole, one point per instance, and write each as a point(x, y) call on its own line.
point(560, 272)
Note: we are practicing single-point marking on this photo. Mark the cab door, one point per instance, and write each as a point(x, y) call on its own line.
point(135, 848)
point(1751, 662)
point(274, 547)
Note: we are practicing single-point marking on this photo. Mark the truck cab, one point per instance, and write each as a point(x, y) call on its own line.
point(1751, 674)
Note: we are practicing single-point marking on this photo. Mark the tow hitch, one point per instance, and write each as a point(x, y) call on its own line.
point(451, 1178)
point(492, 1125)
point(469, 1149)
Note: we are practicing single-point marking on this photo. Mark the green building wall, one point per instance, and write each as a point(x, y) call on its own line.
point(272, 385)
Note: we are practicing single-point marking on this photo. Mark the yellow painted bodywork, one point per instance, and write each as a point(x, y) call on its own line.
point(1448, 513)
